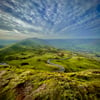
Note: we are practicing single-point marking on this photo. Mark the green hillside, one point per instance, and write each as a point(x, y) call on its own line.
point(29, 84)
point(29, 70)
point(22, 46)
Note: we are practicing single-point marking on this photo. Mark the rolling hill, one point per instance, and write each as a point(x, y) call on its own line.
point(31, 44)
point(25, 73)
point(80, 45)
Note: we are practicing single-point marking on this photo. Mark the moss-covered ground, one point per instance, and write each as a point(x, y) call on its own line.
point(29, 84)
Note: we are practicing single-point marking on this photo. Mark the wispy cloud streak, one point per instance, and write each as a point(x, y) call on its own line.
point(50, 18)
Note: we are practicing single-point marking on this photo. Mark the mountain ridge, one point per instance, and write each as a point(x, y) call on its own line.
point(83, 45)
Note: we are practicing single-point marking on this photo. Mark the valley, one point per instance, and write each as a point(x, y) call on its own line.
point(31, 70)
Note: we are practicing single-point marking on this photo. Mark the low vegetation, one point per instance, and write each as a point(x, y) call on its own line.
point(26, 75)
point(29, 84)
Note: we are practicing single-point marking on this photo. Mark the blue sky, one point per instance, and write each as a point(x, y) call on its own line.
point(21, 19)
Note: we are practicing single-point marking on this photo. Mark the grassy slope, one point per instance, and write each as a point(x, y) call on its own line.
point(30, 45)
point(36, 81)
point(29, 77)
point(78, 63)
point(29, 84)
point(38, 60)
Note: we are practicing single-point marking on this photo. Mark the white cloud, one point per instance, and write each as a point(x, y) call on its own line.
point(41, 18)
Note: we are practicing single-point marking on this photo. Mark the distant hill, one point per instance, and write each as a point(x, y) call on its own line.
point(34, 42)
point(31, 44)
point(82, 45)
point(79, 45)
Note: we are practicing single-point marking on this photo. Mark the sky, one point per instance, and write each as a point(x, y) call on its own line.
point(53, 19)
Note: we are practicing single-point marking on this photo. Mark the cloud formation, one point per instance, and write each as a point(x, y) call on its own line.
point(50, 18)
